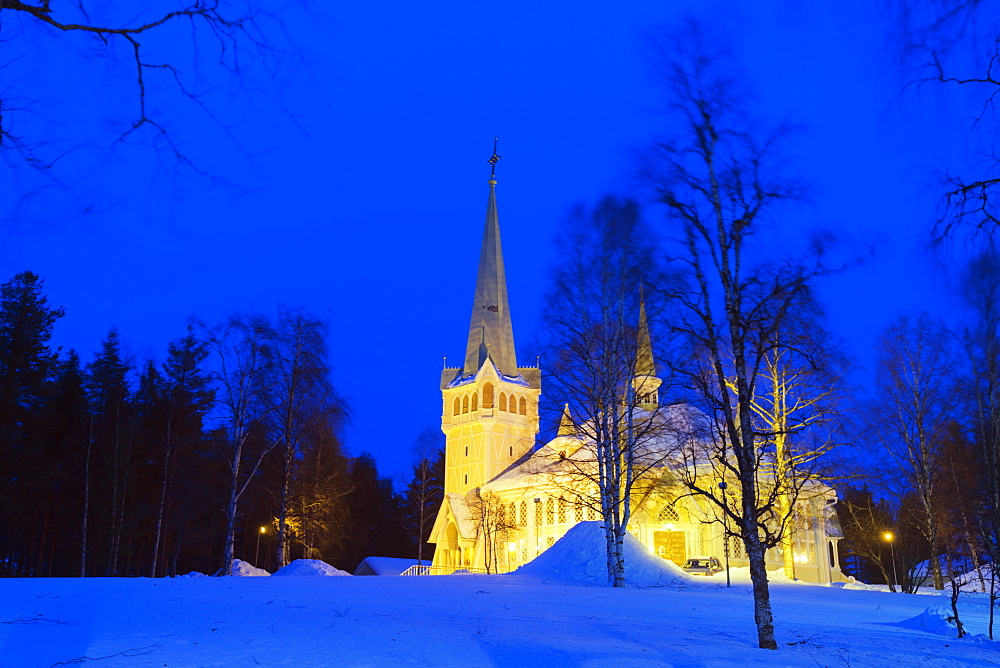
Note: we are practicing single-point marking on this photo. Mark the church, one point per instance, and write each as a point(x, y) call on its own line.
point(504, 501)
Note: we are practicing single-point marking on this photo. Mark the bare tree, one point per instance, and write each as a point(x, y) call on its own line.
point(297, 397)
point(916, 402)
point(495, 526)
point(600, 365)
point(238, 345)
point(956, 43)
point(719, 182)
point(425, 490)
point(218, 33)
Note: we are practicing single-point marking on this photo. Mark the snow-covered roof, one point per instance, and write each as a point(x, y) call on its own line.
point(383, 566)
point(675, 428)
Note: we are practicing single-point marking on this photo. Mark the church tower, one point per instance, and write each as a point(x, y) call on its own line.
point(490, 404)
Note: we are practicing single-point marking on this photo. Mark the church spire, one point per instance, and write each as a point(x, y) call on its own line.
point(644, 364)
point(645, 382)
point(491, 335)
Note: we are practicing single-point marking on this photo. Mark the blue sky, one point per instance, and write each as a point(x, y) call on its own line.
point(349, 175)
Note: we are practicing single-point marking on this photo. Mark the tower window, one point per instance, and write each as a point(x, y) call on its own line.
point(458, 406)
point(503, 401)
point(466, 451)
point(466, 478)
point(512, 451)
point(524, 406)
point(475, 401)
point(465, 404)
point(488, 395)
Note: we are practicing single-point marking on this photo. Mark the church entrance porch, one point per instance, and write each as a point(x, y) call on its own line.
point(671, 545)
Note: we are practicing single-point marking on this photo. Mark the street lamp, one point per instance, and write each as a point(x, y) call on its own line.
point(892, 551)
point(725, 524)
point(256, 557)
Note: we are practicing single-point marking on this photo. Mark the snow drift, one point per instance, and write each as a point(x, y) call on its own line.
point(579, 556)
point(933, 620)
point(243, 569)
point(309, 567)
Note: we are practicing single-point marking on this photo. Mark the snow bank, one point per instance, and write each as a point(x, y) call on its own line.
point(309, 567)
point(243, 569)
point(932, 620)
point(579, 556)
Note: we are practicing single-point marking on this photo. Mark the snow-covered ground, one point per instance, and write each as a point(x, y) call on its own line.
point(524, 619)
point(462, 620)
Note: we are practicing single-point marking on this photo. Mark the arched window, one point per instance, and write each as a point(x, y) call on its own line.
point(523, 407)
point(562, 511)
point(475, 401)
point(458, 406)
point(522, 518)
point(512, 514)
point(488, 395)
point(669, 514)
point(466, 451)
point(503, 401)
point(550, 511)
point(579, 513)
point(465, 404)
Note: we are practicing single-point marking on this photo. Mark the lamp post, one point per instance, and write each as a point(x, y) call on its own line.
point(892, 552)
point(725, 524)
point(256, 557)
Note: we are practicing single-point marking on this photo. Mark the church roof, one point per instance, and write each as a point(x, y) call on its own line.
point(491, 334)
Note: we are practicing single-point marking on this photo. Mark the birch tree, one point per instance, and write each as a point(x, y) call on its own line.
point(238, 346)
point(298, 397)
point(592, 363)
point(720, 181)
point(916, 402)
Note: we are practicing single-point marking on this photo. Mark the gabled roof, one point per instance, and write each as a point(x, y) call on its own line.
point(454, 508)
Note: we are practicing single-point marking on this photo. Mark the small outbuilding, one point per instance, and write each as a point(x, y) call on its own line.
point(384, 566)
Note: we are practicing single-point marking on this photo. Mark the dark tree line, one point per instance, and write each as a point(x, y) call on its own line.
point(110, 467)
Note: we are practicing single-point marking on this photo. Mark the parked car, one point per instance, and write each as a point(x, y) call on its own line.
point(702, 566)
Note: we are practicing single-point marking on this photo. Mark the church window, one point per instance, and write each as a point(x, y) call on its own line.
point(562, 511)
point(550, 510)
point(523, 517)
point(501, 516)
point(458, 406)
point(579, 513)
point(488, 395)
point(503, 401)
point(669, 514)
point(524, 407)
point(591, 514)
point(465, 404)
point(512, 515)
point(475, 401)
point(538, 512)
point(549, 541)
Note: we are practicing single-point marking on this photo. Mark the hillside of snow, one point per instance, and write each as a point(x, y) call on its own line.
point(577, 557)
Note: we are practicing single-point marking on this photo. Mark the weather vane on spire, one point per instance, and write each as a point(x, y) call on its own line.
point(494, 158)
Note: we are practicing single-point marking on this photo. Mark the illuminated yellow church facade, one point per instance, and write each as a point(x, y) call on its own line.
point(503, 505)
